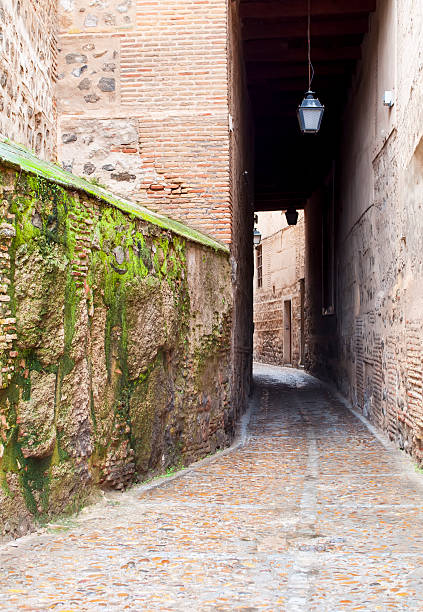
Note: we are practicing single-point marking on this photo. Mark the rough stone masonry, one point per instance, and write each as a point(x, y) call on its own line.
point(143, 106)
point(115, 328)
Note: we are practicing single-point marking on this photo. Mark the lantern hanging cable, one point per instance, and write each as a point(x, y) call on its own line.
point(310, 65)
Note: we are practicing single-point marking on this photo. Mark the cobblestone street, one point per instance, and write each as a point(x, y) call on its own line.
point(309, 512)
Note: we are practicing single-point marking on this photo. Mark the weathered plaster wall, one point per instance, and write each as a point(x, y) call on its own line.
point(143, 103)
point(115, 329)
point(374, 341)
point(282, 250)
point(27, 73)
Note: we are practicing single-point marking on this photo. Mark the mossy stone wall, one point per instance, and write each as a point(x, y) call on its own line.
point(114, 348)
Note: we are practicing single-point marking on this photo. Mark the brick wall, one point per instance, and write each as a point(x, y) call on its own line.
point(282, 274)
point(372, 343)
point(143, 103)
point(27, 73)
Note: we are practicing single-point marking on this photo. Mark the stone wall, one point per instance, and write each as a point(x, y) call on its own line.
point(114, 342)
point(373, 342)
point(27, 73)
point(143, 103)
point(282, 281)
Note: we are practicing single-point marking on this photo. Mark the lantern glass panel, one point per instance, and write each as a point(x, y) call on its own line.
point(311, 119)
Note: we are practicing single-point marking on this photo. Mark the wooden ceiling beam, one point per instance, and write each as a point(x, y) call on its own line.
point(262, 29)
point(298, 8)
point(285, 100)
point(281, 197)
point(259, 84)
point(273, 115)
point(277, 51)
point(260, 206)
point(281, 70)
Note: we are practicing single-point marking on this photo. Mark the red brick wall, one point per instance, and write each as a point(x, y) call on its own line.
point(153, 82)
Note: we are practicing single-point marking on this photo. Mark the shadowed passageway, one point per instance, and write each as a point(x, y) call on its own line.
point(311, 512)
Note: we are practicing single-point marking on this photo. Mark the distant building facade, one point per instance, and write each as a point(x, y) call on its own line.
point(279, 291)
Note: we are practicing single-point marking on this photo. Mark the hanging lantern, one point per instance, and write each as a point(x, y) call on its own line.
point(310, 113)
point(257, 237)
point(291, 216)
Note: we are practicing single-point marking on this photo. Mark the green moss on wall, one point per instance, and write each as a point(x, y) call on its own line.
point(19, 157)
point(101, 299)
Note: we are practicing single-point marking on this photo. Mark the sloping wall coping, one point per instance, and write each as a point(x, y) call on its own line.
point(19, 157)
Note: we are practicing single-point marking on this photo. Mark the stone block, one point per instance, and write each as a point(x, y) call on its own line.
point(36, 417)
point(97, 151)
point(111, 16)
point(84, 80)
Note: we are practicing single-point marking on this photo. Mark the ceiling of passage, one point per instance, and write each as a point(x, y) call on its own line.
point(290, 165)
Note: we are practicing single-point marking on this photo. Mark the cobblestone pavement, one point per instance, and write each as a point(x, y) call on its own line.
point(311, 513)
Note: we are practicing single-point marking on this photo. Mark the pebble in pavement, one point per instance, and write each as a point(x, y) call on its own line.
point(311, 513)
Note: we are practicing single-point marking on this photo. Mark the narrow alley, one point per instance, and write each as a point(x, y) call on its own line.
point(309, 512)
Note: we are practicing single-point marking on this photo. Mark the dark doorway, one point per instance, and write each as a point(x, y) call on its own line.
point(287, 333)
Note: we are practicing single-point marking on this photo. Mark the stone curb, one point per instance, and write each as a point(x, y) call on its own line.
point(91, 510)
point(241, 437)
point(405, 461)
